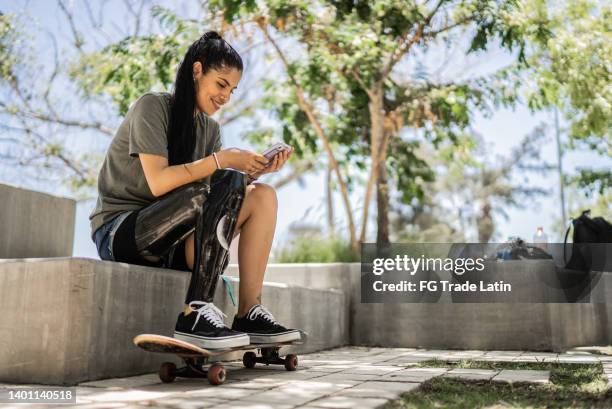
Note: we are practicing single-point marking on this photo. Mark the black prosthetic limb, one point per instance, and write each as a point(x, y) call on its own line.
point(214, 231)
point(160, 226)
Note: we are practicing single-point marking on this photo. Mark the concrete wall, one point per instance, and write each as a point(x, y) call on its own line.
point(70, 320)
point(492, 326)
point(489, 326)
point(35, 224)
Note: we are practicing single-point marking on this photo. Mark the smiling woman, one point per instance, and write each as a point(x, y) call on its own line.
point(166, 200)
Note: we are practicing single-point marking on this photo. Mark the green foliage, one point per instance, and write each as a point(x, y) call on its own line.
point(308, 250)
point(593, 180)
point(136, 65)
point(568, 66)
point(10, 42)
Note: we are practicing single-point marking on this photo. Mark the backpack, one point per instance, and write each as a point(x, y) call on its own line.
point(587, 230)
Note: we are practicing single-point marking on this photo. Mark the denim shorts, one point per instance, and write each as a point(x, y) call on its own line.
point(105, 235)
point(112, 242)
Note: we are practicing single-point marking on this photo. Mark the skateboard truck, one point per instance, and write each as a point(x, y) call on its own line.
point(270, 355)
point(194, 368)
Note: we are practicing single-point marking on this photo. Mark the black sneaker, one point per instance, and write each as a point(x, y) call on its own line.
point(262, 328)
point(205, 328)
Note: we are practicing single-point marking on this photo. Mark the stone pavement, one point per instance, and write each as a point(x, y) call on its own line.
point(349, 377)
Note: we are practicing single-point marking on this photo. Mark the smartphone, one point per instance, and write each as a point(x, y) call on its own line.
point(275, 149)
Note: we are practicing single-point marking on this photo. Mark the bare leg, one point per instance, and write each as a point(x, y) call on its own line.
point(256, 225)
point(190, 250)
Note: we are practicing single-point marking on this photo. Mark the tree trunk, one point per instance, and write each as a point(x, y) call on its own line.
point(382, 203)
point(484, 224)
point(330, 202)
point(376, 139)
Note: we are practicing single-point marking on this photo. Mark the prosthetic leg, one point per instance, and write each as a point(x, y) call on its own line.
point(212, 211)
point(214, 232)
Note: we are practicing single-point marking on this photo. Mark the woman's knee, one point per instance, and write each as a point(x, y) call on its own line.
point(264, 195)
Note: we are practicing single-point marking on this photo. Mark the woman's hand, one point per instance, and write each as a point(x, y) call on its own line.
point(239, 159)
point(275, 165)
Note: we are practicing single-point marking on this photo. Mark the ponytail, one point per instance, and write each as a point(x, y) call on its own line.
point(213, 52)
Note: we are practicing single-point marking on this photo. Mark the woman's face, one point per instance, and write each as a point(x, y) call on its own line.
point(214, 88)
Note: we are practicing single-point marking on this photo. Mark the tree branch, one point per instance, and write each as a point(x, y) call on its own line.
point(297, 172)
point(308, 110)
point(78, 39)
point(66, 122)
point(406, 43)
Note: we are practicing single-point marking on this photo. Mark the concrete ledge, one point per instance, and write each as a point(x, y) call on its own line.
point(35, 224)
point(70, 320)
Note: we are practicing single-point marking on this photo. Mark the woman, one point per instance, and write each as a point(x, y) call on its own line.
point(159, 206)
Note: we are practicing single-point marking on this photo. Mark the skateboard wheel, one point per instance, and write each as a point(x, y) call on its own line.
point(291, 362)
point(166, 372)
point(216, 374)
point(249, 359)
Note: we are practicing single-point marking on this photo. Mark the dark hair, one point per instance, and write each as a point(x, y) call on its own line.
point(213, 52)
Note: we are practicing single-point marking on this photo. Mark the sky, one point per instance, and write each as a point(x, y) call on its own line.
point(501, 133)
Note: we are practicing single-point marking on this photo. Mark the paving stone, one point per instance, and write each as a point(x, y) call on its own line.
point(348, 402)
point(414, 374)
point(387, 390)
point(125, 383)
point(329, 368)
point(103, 405)
point(503, 353)
point(576, 359)
point(179, 402)
point(182, 386)
point(122, 395)
point(257, 384)
point(406, 360)
point(497, 358)
point(467, 354)
point(511, 375)
point(343, 376)
point(221, 392)
point(296, 376)
point(471, 374)
point(247, 404)
point(540, 354)
point(534, 359)
point(372, 369)
point(286, 396)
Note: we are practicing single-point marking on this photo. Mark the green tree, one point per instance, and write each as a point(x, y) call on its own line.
point(568, 68)
point(354, 49)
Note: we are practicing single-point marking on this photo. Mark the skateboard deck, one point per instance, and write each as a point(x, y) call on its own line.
point(196, 357)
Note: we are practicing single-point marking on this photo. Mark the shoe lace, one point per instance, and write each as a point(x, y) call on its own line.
point(209, 311)
point(260, 311)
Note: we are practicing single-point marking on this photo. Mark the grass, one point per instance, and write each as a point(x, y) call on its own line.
point(316, 250)
point(572, 386)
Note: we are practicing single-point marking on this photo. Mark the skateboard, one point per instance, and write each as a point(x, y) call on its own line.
point(195, 358)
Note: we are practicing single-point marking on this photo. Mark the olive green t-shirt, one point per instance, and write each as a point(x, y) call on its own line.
point(121, 183)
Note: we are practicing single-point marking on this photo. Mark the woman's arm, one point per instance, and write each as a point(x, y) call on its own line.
point(162, 178)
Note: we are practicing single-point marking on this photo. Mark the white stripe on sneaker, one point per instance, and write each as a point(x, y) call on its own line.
point(232, 341)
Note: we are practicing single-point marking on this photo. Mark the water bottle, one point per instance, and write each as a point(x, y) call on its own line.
point(540, 239)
